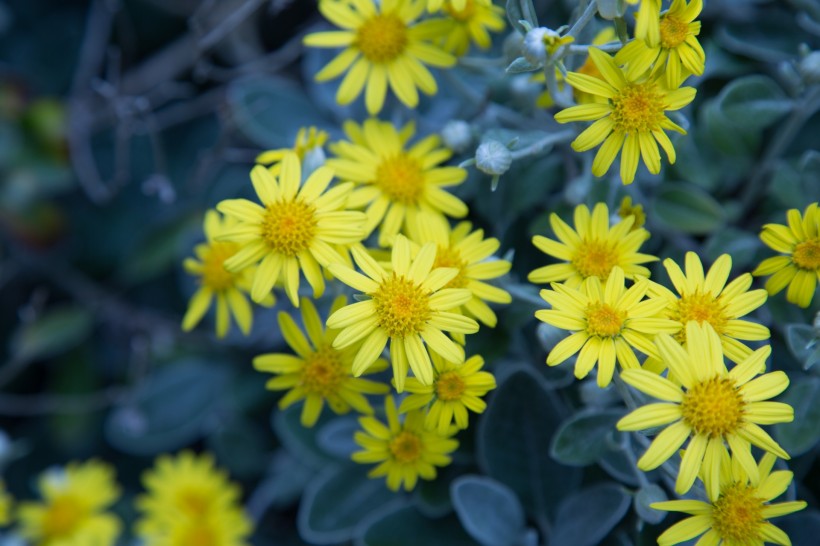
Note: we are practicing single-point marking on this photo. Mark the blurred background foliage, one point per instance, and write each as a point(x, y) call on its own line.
point(122, 121)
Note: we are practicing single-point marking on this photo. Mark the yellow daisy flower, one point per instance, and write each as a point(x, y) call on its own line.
point(592, 249)
point(215, 281)
point(384, 45)
point(187, 500)
point(319, 373)
point(714, 407)
point(647, 24)
point(709, 299)
point(544, 100)
point(73, 509)
point(608, 322)
point(456, 388)
point(636, 211)
point(472, 23)
point(6, 503)
point(395, 183)
point(469, 252)
point(293, 229)
point(409, 307)
point(678, 53)
point(741, 511)
point(308, 140)
point(633, 118)
point(405, 451)
point(799, 269)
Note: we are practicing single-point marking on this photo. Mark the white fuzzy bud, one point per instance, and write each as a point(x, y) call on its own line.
point(534, 49)
point(810, 67)
point(493, 158)
point(457, 135)
point(611, 9)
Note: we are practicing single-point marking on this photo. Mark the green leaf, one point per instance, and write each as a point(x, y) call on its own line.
point(299, 440)
point(287, 478)
point(242, 446)
point(586, 517)
point(644, 497)
point(581, 440)
point(520, 65)
point(724, 135)
point(489, 511)
point(336, 437)
point(754, 102)
point(55, 331)
point(802, 434)
point(803, 342)
point(159, 249)
point(689, 209)
point(171, 408)
point(407, 527)
point(336, 501)
point(514, 440)
point(270, 111)
point(521, 10)
point(742, 246)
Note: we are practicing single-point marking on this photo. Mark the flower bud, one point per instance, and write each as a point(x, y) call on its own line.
point(457, 135)
point(809, 67)
point(493, 158)
point(535, 50)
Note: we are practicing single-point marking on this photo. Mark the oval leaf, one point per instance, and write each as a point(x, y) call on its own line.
point(581, 440)
point(689, 209)
point(171, 408)
point(644, 498)
point(800, 435)
point(407, 527)
point(514, 443)
point(754, 101)
point(586, 517)
point(489, 511)
point(55, 331)
point(338, 500)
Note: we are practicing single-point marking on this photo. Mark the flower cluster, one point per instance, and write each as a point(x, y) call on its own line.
point(187, 501)
point(378, 219)
point(415, 296)
point(685, 338)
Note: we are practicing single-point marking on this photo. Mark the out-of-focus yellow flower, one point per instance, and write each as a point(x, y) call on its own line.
point(74, 507)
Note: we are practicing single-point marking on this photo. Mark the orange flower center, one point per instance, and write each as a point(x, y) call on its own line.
point(451, 257)
point(406, 447)
point(604, 321)
point(737, 515)
point(450, 386)
point(62, 517)
point(461, 15)
point(713, 408)
point(382, 38)
point(638, 107)
point(673, 31)
point(193, 503)
point(402, 307)
point(701, 308)
point(595, 259)
point(198, 534)
point(289, 226)
point(214, 274)
point(401, 179)
point(323, 372)
point(806, 255)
